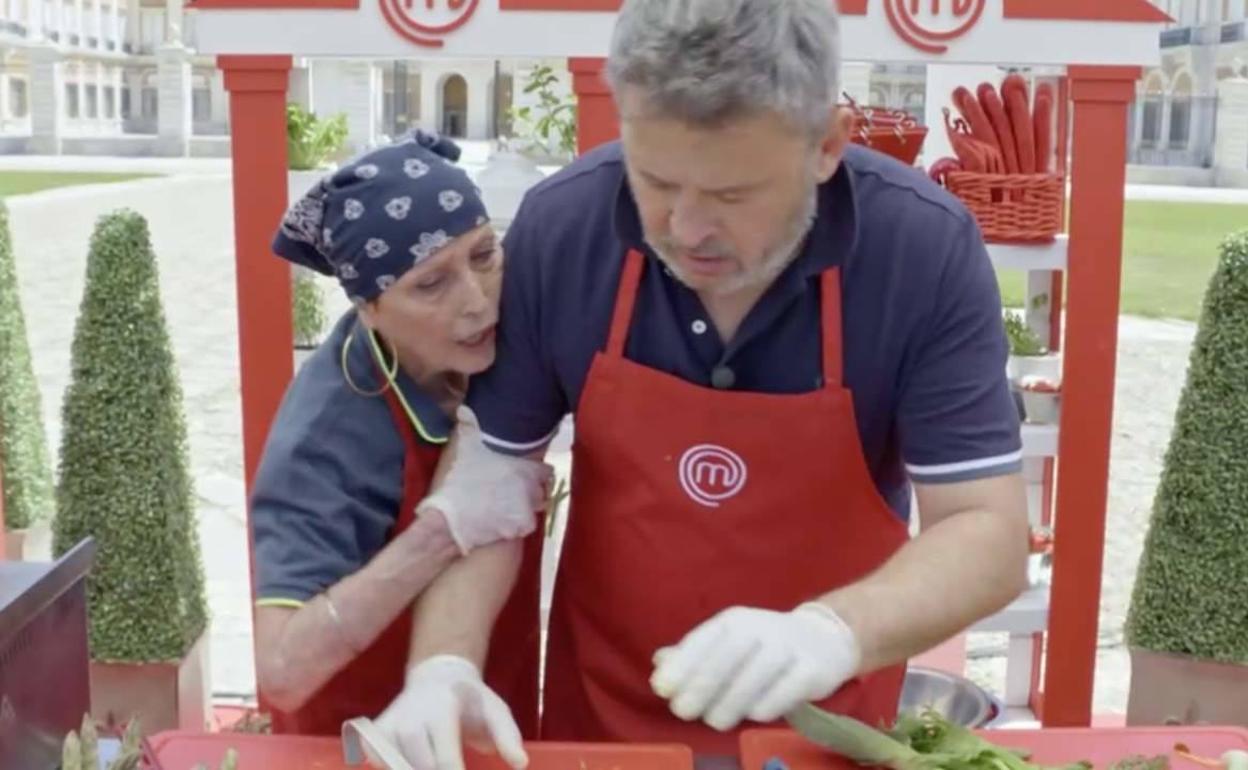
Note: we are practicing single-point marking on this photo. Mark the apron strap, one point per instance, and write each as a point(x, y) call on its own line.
point(625, 298)
point(831, 311)
point(403, 423)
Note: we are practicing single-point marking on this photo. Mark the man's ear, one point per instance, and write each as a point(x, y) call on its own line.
point(831, 146)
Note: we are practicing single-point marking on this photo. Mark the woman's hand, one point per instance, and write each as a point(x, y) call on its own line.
point(487, 496)
point(444, 703)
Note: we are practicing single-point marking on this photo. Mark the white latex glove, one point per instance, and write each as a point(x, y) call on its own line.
point(756, 664)
point(443, 704)
point(487, 496)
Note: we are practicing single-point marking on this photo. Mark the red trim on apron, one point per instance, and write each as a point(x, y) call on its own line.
point(688, 500)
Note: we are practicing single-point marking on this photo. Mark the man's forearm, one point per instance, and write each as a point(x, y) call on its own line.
point(962, 569)
point(455, 615)
point(312, 644)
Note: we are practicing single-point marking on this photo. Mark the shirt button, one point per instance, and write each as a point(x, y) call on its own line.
point(699, 326)
point(723, 378)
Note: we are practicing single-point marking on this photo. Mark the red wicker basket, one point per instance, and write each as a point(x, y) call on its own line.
point(1012, 208)
point(892, 132)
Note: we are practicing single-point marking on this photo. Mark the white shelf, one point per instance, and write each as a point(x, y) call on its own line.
point(1028, 614)
point(1039, 440)
point(1042, 256)
point(1015, 718)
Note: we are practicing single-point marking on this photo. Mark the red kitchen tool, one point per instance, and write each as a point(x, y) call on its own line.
point(1100, 746)
point(893, 132)
point(183, 751)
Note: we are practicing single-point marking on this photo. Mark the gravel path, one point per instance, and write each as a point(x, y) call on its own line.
point(192, 232)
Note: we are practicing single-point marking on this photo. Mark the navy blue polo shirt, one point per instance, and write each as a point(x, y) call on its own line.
point(330, 482)
point(924, 344)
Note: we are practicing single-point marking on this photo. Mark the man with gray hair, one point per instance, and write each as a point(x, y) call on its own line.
point(769, 339)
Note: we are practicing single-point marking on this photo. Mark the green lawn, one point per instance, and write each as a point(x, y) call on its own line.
point(1169, 252)
point(23, 182)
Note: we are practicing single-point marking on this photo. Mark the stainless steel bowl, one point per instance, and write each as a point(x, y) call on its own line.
point(957, 699)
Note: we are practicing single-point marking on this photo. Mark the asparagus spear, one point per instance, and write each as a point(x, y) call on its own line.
point(90, 744)
point(71, 753)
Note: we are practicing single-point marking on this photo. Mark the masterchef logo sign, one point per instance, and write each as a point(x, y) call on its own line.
point(710, 474)
point(427, 22)
point(930, 25)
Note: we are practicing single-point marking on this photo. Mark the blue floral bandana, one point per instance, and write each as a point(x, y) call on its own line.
point(382, 214)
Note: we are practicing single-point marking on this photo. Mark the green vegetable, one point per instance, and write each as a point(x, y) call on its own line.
point(229, 762)
point(924, 742)
point(860, 743)
point(1235, 760)
point(557, 496)
point(71, 753)
point(90, 743)
point(1141, 762)
point(81, 749)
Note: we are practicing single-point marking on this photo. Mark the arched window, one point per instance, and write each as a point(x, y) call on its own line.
point(1181, 112)
point(454, 106)
point(1154, 100)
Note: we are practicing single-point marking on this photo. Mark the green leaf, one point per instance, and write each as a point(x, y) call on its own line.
point(553, 119)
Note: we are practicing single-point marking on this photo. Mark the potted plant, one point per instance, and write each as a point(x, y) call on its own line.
point(308, 314)
point(312, 146)
point(1041, 399)
point(124, 480)
point(1187, 626)
point(25, 467)
point(312, 142)
point(546, 129)
point(1028, 355)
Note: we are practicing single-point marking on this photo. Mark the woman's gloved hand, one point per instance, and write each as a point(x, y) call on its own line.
point(487, 496)
point(445, 703)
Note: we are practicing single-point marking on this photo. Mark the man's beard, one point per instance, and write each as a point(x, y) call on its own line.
point(774, 261)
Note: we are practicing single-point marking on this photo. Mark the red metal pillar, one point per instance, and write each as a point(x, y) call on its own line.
point(596, 119)
point(1100, 96)
point(257, 87)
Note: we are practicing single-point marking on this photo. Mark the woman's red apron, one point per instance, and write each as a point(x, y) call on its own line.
point(688, 500)
point(367, 685)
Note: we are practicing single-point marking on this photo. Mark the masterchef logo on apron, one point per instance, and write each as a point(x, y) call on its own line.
point(710, 474)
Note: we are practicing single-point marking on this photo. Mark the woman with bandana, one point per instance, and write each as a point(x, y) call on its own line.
point(342, 552)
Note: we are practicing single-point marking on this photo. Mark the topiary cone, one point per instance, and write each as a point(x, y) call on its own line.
point(27, 470)
point(124, 472)
point(1189, 597)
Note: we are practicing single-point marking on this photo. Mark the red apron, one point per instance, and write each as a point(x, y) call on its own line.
point(367, 685)
point(688, 500)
